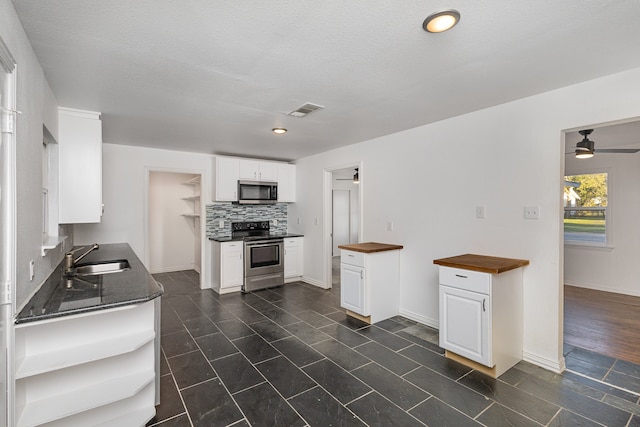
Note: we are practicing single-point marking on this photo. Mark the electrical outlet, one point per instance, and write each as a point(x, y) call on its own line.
point(299, 220)
point(532, 212)
point(32, 269)
point(315, 221)
point(221, 224)
point(389, 225)
point(480, 212)
point(275, 222)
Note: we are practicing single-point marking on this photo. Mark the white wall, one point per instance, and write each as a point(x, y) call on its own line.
point(39, 106)
point(172, 236)
point(428, 181)
point(616, 268)
point(125, 172)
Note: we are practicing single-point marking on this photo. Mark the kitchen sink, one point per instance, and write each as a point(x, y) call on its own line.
point(102, 267)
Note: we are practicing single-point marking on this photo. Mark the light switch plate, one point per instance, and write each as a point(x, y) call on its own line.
point(480, 212)
point(532, 212)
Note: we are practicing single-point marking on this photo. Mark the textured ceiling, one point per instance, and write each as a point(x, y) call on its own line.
point(215, 76)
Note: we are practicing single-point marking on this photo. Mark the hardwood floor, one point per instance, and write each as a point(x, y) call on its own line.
point(603, 322)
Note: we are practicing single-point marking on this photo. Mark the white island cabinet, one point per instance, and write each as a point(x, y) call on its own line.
point(96, 368)
point(480, 300)
point(370, 280)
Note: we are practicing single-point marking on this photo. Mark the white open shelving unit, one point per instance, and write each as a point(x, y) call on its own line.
point(70, 369)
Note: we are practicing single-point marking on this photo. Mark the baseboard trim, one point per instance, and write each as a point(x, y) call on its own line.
point(172, 269)
point(605, 289)
point(556, 366)
point(314, 282)
point(434, 323)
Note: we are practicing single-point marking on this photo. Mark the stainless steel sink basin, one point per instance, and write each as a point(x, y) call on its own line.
point(102, 267)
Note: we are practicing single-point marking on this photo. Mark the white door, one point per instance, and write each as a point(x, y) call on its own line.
point(464, 324)
point(352, 292)
point(341, 219)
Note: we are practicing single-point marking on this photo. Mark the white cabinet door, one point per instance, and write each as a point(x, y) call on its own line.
point(226, 179)
point(80, 167)
point(465, 324)
point(286, 183)
point(293, 257)
point(255, 170)
point(231, 264)
point(352, 283)
point(268, 171)
point(249, 170)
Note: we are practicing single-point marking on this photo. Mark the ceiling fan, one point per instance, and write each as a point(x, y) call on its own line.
point(585, 149)
point(355, 179)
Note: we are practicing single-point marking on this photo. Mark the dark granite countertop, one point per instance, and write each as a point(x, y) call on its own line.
point(60, 296)
point(240, 239)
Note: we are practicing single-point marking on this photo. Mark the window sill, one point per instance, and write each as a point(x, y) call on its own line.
point(588, 245)
point(51, 242)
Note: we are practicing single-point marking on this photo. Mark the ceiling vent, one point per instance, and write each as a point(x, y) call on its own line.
point(305, 109)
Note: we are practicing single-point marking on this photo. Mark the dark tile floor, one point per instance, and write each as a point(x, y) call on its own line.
point(290, 357)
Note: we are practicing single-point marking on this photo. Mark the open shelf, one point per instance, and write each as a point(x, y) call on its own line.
point(193, 181)
point(192, 198)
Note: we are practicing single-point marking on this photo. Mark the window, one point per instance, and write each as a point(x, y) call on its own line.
point(586, 209)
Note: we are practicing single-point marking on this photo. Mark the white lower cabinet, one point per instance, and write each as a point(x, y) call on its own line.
point(481, 316)
point(228, 266)
point(370, 283)
point(293, 259)
point(97, 368)
point(467, 331)
point(352, 295)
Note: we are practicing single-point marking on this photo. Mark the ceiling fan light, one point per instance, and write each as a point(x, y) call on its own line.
point(439, 22)
point(584, 154)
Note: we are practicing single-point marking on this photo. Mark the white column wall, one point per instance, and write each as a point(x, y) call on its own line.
point(428, 181)
point(125, 185)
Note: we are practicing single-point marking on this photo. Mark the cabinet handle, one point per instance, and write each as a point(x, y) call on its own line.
point(361, 274)
point(483, 306)
point(460, 275)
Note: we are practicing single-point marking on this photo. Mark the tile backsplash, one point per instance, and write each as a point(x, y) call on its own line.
point(228, 213)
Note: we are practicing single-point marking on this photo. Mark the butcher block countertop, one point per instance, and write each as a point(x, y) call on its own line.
point(482, 263)
point(370, 247)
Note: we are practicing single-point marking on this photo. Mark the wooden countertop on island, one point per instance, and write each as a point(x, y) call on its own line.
point(370, 247)
point(482, 263)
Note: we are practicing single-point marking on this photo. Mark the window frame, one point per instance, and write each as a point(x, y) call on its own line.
point(608, 242)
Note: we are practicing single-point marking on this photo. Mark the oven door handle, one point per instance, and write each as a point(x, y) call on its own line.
point(262, 245)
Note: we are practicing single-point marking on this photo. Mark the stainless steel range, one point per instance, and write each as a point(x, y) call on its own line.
point(263, 255)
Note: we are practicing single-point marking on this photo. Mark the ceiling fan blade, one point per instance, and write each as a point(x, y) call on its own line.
point(617, 150)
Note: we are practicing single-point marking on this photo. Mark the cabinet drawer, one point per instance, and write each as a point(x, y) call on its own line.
point(469, 280)
point(352, 258)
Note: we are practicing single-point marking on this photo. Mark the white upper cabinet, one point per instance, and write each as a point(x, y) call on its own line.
point(286, 182)
point(80, 166)
point(256, 170)
point(226, 185)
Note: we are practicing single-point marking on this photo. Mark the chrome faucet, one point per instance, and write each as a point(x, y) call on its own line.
point(70, 263)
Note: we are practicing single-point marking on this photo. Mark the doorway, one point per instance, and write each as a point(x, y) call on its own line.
point(601, 298)
point(343, 215)
point(173, 222)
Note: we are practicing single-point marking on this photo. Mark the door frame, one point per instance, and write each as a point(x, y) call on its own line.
point(9, 234)
point(146, 223)
point(327, 217)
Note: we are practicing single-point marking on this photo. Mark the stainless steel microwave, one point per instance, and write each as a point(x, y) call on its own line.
point(257, 192)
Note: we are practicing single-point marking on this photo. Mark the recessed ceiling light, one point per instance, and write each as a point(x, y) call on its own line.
point(279, 131)
point(441, 21)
